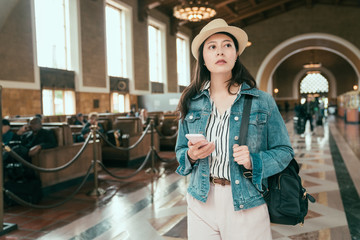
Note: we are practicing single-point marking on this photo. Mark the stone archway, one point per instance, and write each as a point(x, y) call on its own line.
point(322, 41)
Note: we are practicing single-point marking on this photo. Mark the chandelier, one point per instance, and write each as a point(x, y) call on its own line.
point(194, 11)
point(313, 63)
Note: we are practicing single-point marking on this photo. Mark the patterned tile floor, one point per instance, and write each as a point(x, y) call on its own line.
point(330, 163)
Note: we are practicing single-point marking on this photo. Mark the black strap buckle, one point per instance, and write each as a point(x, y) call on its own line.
point(247, 174)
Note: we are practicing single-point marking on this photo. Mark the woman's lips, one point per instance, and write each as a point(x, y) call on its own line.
point(221, 62)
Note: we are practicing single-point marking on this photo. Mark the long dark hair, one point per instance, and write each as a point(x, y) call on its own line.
point(201, 75)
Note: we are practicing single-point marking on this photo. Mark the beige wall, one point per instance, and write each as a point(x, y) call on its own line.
point(16, 45)
point(92, 25)
point(20, 102)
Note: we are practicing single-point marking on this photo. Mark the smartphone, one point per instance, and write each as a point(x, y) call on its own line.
point(195, 137)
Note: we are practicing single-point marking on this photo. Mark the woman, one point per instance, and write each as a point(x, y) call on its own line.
point(222, 203)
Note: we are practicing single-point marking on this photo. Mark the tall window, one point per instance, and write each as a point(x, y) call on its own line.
point(58, 102)
point(157, 63)
point(53, 33)
point(118, 102)
point(183, 65)
point(115, 41)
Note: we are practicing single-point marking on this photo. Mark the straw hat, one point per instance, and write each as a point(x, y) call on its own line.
point(215, 26)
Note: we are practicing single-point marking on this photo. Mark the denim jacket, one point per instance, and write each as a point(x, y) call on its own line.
point(268, 142)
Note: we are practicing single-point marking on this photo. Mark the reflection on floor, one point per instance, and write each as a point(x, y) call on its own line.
point(329, 159)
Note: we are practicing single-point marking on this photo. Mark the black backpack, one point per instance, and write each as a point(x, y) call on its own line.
point(286, 198)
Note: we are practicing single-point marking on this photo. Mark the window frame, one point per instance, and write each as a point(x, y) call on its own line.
point(126, 102)
point(187, 58)
point(53, 108)
point(163, 64)
point(310, 92)
point(68, 38)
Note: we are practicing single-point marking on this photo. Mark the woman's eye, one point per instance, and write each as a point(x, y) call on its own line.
point(228, 45)
point(212, 47)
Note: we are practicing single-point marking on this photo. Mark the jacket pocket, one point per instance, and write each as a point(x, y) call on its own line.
point(193, 121)
point(258, 118)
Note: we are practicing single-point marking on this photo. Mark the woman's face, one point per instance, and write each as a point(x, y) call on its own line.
point(219, 53)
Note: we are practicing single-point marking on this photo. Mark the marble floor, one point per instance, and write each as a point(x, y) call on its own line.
point(141, 208)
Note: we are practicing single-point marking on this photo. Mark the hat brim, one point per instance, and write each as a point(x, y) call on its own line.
point(238, 33)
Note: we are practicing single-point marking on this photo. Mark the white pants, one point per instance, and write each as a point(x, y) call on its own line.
point(217, 220)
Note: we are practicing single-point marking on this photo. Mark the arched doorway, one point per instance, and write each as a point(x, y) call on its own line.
point(315, 86)
point(320, 41)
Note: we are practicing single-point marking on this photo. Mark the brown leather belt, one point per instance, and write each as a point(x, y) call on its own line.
point(221, 181)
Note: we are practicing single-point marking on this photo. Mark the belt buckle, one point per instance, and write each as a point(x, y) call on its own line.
point(212, 180)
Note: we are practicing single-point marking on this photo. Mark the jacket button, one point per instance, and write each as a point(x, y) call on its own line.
point(237, 181)
point(191, 117)
point(241, 206)
point(236, 137)
point(236, 118)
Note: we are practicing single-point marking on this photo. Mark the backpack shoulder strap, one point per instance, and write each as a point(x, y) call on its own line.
point(245, 120)
point(244, 129)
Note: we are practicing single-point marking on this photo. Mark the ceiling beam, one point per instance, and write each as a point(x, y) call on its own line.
point(150, 4)
point(261, 7)
point(224, 3)
point(252, 2)
point(309, 3)
point(231, 11)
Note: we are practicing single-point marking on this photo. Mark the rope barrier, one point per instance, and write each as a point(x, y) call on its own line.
point(24, 203)
point(131, 175)
point(125, 148)
point(165, 160)
point(150, 155)
point(26, 163)
point(167, 137)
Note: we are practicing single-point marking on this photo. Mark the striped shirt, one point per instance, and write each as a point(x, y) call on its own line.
point(217, 131)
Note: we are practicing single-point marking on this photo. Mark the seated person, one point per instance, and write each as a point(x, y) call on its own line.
point(115, 137)
point(143, 115)
point(93, 120)
point(7, 135)
point(33, 138)
point(39, 116)
point(80, 119)
point(133, 112)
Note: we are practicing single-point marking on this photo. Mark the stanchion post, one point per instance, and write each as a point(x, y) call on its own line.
point(4, 227)
point(152, 146)
point(96, 191)
point(152, 170)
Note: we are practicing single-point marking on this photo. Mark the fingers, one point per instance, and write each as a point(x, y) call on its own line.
point(240, 150)
point(199, 150)
point(241, 155)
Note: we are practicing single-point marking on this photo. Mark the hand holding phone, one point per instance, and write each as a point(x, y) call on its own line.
point(199, 147)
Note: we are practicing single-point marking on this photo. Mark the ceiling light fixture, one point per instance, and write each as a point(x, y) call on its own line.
point(313, 72)
point(194, 11)
point(312, 65)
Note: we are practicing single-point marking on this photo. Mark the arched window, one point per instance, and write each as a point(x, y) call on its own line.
point(314, 83)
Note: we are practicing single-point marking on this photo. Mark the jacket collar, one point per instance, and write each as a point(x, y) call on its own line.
point(244, 90)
